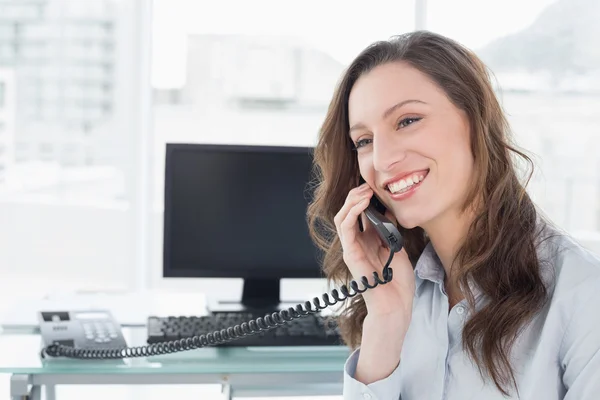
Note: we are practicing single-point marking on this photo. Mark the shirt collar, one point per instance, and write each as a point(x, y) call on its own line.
point(429, 267)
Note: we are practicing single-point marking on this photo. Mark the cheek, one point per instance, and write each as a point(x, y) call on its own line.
point(365, 166)
point(455, 162)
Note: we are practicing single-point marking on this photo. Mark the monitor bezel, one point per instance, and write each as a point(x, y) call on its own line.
point(170, 271)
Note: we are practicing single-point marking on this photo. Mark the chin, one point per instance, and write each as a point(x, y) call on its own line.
point(408, 222)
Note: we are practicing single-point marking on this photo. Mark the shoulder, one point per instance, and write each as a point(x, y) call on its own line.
point(567, 267)
point(573, 276)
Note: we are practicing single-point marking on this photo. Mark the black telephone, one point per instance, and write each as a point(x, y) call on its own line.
point(375, 215)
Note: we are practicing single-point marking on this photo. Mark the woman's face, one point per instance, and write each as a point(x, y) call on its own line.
point(412, 143)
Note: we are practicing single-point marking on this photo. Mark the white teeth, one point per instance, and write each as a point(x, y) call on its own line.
point(404, 184)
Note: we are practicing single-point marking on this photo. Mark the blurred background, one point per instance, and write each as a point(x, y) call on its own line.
point(91, 90)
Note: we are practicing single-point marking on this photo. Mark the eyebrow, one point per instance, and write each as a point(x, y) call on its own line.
point(388, 112)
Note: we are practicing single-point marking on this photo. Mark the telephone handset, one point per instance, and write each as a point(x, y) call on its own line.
point(375, 215)
point(387, 231)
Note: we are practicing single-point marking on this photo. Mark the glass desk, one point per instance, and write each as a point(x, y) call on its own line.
point(242, 371)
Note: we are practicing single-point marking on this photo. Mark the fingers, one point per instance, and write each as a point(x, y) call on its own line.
point(354, 196)
point(349, 226)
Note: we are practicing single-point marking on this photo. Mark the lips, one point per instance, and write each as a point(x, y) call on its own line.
point(407, 181)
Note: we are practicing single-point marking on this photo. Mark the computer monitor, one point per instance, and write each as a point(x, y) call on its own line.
point(234, 211)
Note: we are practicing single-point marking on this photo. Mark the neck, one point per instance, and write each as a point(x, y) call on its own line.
point(447, 233)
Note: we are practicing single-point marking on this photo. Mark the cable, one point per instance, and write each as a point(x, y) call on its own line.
point(269, 321)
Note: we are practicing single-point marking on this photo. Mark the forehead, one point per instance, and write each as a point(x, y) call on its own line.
point(387, 85)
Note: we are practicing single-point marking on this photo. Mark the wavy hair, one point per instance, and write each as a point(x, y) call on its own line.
point(498, 254)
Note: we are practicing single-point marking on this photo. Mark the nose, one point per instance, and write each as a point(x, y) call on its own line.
point(387, 152)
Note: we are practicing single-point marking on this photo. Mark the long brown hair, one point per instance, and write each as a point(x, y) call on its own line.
point(498, 254)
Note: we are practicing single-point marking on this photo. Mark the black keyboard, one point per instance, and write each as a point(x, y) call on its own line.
point(311, 330)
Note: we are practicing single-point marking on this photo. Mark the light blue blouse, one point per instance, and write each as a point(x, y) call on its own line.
point(557, 356)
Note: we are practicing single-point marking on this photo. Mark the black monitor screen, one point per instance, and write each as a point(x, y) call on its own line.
point(238, 211)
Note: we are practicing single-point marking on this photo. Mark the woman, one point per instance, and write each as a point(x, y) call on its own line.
point(487, 299)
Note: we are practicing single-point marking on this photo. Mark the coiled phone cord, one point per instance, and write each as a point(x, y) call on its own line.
point(269, 321)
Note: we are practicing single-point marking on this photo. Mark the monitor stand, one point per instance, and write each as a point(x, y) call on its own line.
point(258, 295)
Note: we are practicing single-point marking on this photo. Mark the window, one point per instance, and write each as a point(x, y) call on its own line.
point(74, 206)
point(213, 73)
point(544, 57)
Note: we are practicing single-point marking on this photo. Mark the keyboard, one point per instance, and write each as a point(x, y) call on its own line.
point(311, 330)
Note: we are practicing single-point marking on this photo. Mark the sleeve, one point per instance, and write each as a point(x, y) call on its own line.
point(385, 389)
point(580, 350)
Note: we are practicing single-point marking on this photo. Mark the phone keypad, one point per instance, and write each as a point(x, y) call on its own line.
point(100, 331)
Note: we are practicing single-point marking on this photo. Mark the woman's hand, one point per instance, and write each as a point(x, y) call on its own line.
point(365, 253)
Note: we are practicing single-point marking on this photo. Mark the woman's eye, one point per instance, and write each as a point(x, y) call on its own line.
point(407, 121)
point(362, 142)
point(401, 124)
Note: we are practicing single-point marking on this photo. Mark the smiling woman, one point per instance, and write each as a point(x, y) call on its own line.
point(495, 285)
